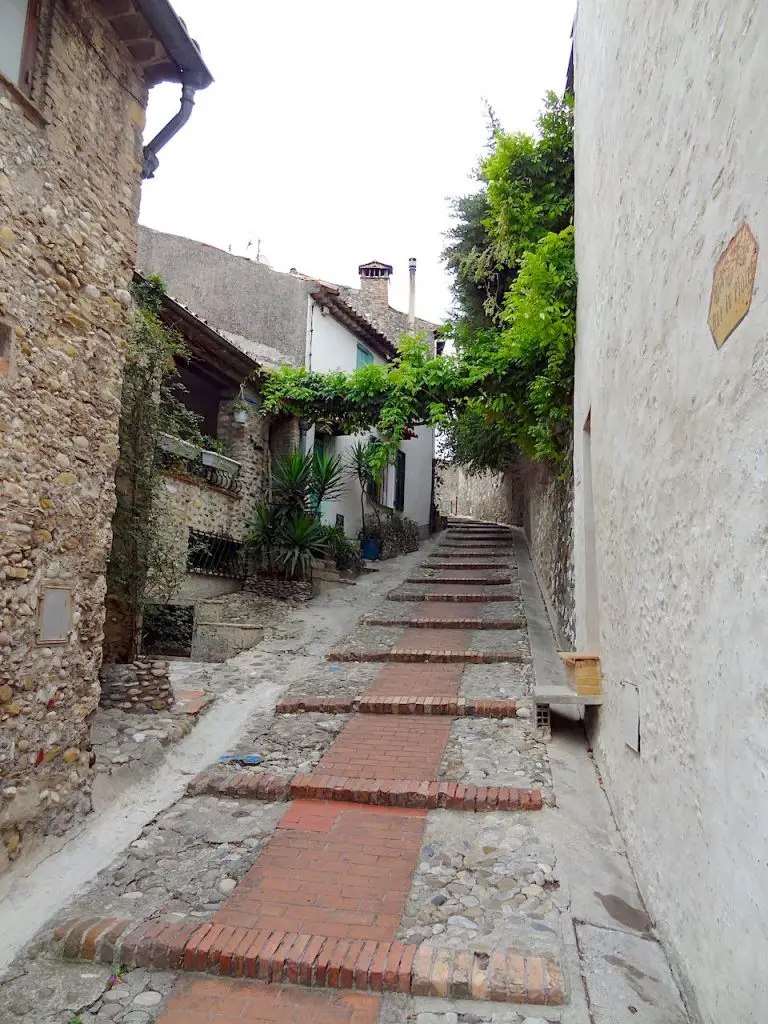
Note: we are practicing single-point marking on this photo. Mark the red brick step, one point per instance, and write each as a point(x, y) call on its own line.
point(279, 957)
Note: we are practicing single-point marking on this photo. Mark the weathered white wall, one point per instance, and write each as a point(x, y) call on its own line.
point(671, 156)
point(330, 346)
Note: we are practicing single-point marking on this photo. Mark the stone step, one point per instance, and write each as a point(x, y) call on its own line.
point(318, 961)
point(470, 597)
point(373, 704)
point(423, 794)
point(462, 581)
point(517, 622)
point(462, 566)
point(396, 654)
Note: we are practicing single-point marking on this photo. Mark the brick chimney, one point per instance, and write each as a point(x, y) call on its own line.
point(374, 281)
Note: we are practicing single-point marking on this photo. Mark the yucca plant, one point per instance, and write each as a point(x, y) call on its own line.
point(298, 540)
point(261, 534)
point(291, 478)
point(326, 478)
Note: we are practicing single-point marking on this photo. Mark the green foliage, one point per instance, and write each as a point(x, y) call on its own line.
point(327, 478)
point(397, 534)
point(345, 553)
point(143, 557)
point(300, 538)
point(508, 387)
point(291, 476)
point(285, 534)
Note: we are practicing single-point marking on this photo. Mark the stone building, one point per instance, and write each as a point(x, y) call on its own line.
point(299, 320)
point(671, 466)
point(205, 496)
point(74, 80)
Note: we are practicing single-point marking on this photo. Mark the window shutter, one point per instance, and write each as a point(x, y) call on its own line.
point(29, 47)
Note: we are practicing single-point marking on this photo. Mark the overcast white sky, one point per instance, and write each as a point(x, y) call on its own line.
point(335, 131)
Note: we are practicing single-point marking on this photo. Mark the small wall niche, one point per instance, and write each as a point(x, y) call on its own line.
point(7, 360)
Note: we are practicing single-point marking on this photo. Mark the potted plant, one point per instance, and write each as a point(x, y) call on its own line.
point(364, 463)
point(240, 410)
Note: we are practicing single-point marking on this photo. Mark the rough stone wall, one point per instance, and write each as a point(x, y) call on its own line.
point(281, 590)
point(530, 495)
point(671, 157)
point(547, 518)
point(141, 686)
point(260, 310)
point(69, 186)
point(193, 504)
point(488, 496)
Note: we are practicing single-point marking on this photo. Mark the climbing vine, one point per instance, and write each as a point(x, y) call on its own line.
point(507, 386)
point(144, 558)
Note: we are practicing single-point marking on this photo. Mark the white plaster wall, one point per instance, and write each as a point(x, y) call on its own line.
point(419, 455)
point(671, 156)
point(333, 347)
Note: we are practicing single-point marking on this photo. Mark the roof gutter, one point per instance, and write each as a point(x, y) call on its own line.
point(172, 33)
point(168, 27)
point(177, 122)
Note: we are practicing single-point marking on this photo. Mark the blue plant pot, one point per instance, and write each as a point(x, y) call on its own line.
point(371, 549)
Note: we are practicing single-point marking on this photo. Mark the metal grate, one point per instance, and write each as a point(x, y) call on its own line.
point(216, 554)
point(195, 467)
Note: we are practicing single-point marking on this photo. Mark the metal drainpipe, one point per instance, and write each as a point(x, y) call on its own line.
point(151, 162)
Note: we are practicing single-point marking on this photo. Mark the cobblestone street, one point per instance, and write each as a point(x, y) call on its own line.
point(408, 847)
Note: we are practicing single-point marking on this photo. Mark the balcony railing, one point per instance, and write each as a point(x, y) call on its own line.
point(183, 457)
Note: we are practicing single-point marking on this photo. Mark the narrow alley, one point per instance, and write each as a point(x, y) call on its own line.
point(409, 849)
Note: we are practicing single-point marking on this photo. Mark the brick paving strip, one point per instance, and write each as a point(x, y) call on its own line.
point(323, 904)
point(468, 597)
point(309, 959)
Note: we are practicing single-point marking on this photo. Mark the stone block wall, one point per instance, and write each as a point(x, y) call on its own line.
point(140, 686)
point(281, 590)
point(69, 188)
point(531, 495)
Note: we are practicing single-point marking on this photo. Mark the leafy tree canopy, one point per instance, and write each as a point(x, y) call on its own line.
point(507, 387)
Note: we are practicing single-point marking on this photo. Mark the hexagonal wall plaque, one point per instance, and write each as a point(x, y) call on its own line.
point(732, 285)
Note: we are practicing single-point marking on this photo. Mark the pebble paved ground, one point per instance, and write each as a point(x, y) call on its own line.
point(446, 883)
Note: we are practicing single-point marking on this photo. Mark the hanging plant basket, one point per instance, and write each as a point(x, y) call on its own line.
point(240, 416)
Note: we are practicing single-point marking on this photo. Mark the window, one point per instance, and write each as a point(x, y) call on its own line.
point(400, 482)
point(18, 41)
point(215, 554)
point(364, 357)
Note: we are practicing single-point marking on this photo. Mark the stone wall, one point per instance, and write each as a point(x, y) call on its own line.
point(547, 518)
point(671, 470)
point(281, 590)
point(140, 686)
point(261, 311)
point(69, 187)
point(486, 496)
point(533, 496)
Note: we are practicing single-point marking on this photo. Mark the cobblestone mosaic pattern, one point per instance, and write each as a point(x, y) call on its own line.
point(187, 861)
point(493, 752)
point(399, 1010)
point(507, 681)
point(47, 991)
point(122, 738)
point(483, 882)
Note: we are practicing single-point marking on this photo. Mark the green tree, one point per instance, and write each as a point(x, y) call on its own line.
point(507, 389)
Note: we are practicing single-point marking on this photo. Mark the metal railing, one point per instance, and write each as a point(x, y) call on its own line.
point(216, 554)
point(196, 468)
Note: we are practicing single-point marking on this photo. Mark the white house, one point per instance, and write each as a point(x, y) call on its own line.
point(346, 329)
point(289, 318)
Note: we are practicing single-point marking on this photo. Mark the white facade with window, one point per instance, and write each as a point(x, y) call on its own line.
point(332, 346)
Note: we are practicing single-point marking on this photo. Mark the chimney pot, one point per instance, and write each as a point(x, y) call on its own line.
point(374, 281)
